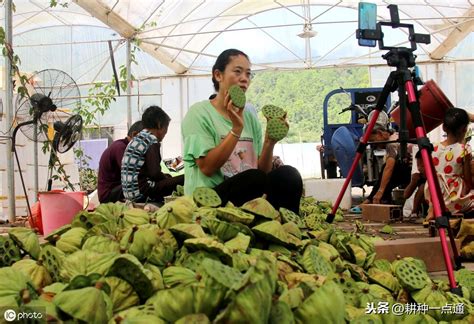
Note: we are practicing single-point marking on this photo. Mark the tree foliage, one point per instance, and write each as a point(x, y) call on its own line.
point(302, 93)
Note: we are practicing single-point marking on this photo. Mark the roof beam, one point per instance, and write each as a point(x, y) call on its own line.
point(126, 30)
point(463, 28)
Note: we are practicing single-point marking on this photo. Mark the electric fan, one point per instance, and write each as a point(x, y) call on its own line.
point(52, 95)
point(67, 134)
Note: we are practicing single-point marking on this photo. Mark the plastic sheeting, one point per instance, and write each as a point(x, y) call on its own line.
point(187, 35)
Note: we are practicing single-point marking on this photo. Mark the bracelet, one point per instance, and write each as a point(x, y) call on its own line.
point(234, 134)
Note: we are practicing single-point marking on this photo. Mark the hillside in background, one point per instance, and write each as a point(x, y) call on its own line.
point(302, 93)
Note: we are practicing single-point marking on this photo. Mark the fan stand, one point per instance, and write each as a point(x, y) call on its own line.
point(42, 104)
point(46, 90)
point(15, 130)
point(52, 155)
point(50, 170)
point(52, 158)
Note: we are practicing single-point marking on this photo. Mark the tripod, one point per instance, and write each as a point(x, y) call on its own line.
point(402, 80)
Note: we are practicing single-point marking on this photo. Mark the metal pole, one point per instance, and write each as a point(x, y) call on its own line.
point(129, 84)
point(9, 114)
point(35, 162)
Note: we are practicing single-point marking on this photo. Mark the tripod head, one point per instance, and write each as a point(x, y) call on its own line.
point(400, 57)
point(370, 32)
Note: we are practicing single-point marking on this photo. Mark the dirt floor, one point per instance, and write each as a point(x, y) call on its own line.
point(412, 228)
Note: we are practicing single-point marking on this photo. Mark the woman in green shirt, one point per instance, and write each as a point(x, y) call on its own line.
point(224, 148)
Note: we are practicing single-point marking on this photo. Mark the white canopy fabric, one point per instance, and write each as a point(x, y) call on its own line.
point(186, 35)
point(183, 37)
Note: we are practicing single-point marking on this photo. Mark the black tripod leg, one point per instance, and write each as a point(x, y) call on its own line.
point(387, 89)
point(403, 136)
point(439, 208)
point(457, 257)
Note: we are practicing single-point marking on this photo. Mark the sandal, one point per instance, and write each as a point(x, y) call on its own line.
point(413, 218)
point(427, 221)
point(356, 210)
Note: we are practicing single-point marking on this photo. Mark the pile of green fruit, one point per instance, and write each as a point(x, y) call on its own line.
point(195, 261)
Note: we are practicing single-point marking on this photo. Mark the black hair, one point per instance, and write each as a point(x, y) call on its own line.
point(221, 62)
point(418, 155)
point(135, 128)
point(455, 121)
point(155, 117)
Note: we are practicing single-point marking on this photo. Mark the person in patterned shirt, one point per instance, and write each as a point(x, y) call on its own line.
point(109, 182)
point(142, 178)
point(452, 161)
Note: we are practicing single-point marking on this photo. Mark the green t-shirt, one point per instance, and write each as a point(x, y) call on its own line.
point(203, 128)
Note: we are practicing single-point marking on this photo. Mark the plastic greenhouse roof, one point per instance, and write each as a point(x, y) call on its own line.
point(187, 35)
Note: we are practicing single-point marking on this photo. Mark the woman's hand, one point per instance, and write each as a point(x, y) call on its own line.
point(272, 141)
point(236, 115)
point(265, 161)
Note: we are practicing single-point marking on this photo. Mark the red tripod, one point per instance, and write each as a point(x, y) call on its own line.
point(402, 79)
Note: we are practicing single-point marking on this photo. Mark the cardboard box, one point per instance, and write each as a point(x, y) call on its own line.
point(381, 212)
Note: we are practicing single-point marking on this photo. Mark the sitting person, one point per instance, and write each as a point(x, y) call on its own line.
point(224, 148)
point(467, 140)
point(109, 184)
point(452, 162)
point(330, 162)
point(382, 190)
point(472, 171)
point(418, 180)
point(142, 178)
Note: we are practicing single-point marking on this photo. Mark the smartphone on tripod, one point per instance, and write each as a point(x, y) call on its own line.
point(367, 20)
